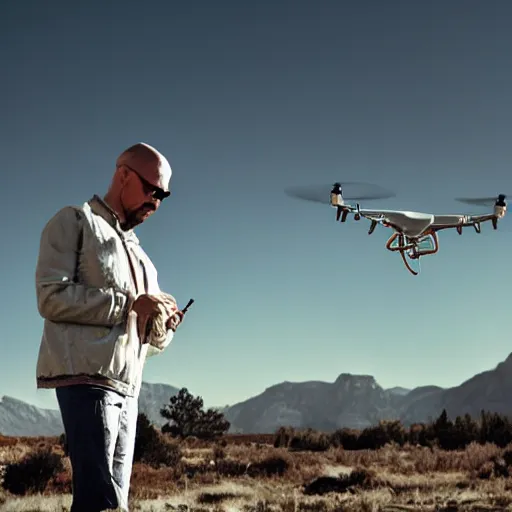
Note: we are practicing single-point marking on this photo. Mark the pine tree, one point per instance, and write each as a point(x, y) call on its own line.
point(186, 417)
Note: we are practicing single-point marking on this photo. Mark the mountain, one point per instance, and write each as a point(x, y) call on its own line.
point(17, 418)
point(422, 404)
point(490, 390)
point(152, 398)
point(398, 391)
point(357, 401)
point(353, 401)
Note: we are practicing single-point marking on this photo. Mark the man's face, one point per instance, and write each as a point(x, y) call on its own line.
point(139, 199)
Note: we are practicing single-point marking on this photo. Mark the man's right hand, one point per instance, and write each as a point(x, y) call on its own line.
point(149, 306)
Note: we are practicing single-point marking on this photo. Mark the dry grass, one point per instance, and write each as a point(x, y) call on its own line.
point(250, 476)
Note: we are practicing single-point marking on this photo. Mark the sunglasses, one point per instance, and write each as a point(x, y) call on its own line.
point(155, 192)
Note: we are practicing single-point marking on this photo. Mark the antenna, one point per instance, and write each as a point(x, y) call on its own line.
point(189, 303)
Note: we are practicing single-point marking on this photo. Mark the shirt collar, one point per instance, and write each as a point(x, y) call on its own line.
point(100, 207)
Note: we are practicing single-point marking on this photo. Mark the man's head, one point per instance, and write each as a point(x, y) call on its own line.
point(140, 183)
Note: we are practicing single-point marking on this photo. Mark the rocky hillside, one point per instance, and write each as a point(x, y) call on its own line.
point(18, 418)
point(357, 401)
point(354, 401)
point(489, 390)
point(152, 398)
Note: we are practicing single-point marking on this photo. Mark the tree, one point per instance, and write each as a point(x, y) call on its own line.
point(186, 417)
point(445, 432)
point(499, 429)
point(466, 431)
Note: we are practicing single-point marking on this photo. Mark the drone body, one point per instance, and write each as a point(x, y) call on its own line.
point(414, 233)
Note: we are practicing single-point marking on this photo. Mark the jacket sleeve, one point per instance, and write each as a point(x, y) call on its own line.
point(157, 348)
point(60, 298)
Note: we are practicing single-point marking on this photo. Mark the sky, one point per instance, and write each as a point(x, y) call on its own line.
point(246, 99)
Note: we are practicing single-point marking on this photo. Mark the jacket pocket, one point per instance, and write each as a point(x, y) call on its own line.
point(125, 365)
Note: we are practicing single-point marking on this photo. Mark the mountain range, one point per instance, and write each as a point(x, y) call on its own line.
point(19, 418)
point(353, 401)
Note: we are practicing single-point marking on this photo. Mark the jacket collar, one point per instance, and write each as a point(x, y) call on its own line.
point(101, 208)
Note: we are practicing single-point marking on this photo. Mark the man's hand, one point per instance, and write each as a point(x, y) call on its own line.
point(148, 307)
point(175, 320)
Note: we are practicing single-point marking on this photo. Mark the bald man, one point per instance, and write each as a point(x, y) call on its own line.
point(104, 312)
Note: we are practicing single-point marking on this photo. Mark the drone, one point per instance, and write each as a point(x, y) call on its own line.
point(414, 233)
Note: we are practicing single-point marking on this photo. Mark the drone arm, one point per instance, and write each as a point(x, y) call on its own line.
point(471, 219)
point(461, 221)
point(374, 217)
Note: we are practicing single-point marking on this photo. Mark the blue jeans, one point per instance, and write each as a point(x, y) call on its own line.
point(100, 427)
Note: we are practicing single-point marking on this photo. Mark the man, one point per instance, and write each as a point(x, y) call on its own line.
point(103, 313)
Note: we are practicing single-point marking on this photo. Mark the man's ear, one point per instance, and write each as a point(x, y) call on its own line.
point(122, 174)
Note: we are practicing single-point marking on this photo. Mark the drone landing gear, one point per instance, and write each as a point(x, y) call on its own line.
point(411, 249)
point(409, 265)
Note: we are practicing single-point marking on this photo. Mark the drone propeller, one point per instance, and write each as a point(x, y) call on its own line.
point(483, 201)
point(350, 190)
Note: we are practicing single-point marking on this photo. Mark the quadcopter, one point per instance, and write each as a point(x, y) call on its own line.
point(414, 233)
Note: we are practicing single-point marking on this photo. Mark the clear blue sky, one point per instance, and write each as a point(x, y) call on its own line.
point(245, 99)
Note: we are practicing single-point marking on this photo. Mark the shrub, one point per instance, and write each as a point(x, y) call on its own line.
point(219, 453)
point(372, 438)
point(309, 440)
point(33, 473)
point(271, 466)
point(228, 468)
point(268, 467)
point(345, 438)
point(209, 498)
point(152, 448)
point(443, 433)
point(360, 477)
point(7, 441)
point(283, 437)
point(63, 443)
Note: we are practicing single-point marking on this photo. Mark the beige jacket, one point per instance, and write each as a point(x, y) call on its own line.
point(85, 285)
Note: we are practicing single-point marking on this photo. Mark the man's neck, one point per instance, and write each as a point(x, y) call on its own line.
point(114, 207)
point(126, 224)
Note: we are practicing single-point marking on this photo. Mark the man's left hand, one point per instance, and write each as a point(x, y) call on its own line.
point(175, 320)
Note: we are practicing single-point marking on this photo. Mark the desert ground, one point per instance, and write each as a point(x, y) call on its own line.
point(256, 474)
